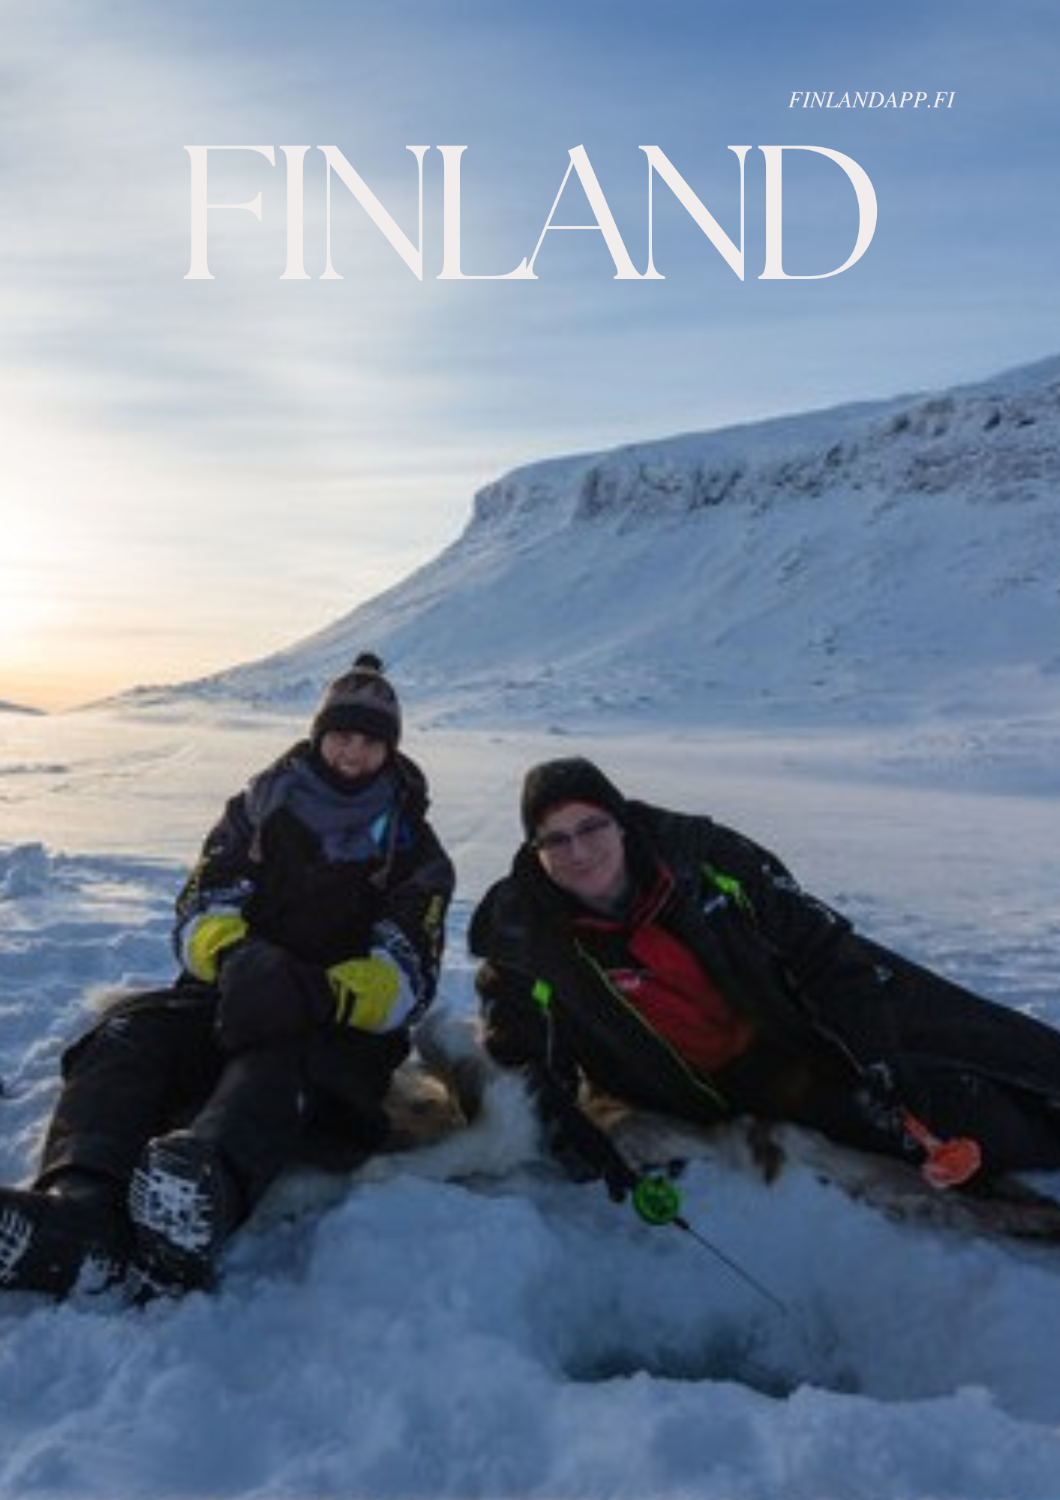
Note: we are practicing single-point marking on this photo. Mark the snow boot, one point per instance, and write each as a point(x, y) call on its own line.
point(183, 1203)
point(61, 1241)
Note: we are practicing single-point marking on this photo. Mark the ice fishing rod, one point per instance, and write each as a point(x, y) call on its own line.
point(657, 1201)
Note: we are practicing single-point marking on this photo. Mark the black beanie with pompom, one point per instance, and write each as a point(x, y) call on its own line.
point(360, 701)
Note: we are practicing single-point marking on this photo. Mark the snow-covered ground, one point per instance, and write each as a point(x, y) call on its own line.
point(505, 1334)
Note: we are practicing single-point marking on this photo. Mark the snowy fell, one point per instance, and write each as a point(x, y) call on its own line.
point(865, 563)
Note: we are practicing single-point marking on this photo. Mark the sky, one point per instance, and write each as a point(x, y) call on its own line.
point(197, 472)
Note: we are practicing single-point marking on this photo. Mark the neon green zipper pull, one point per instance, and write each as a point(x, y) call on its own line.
point(541, 993)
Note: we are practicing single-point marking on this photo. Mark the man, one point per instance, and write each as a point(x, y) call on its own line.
point(310, 935)
point(672, 963)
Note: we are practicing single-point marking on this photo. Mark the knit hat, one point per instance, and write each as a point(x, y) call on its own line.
point(361, 701)
point(573, 779)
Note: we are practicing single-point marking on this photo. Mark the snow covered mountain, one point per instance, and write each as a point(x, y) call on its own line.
point(17, 708)
point(866, 561)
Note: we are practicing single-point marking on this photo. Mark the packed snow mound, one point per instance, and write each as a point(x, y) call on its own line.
point(866, 561)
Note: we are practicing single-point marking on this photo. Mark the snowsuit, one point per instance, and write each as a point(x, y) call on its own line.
point(725, 989)
point(310, 934)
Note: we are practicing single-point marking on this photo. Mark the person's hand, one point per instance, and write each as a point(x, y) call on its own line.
point(368, 993)
point(587, 1154)
point(266, 995)
point(211, 939)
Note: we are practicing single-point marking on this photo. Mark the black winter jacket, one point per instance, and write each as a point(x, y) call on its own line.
point(844, 1031)
point(328, 875)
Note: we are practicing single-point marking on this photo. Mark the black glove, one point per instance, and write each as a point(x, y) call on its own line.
point(587, 1153)
point(268, 995)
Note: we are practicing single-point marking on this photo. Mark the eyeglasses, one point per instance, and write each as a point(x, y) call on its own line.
point(560, 845)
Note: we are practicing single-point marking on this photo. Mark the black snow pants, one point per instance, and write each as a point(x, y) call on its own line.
point(153, 1064)
point(965, 1064)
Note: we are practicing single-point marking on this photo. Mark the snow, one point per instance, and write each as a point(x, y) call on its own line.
point(465, 1322)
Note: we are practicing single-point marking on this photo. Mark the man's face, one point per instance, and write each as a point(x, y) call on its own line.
point(582, 850)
